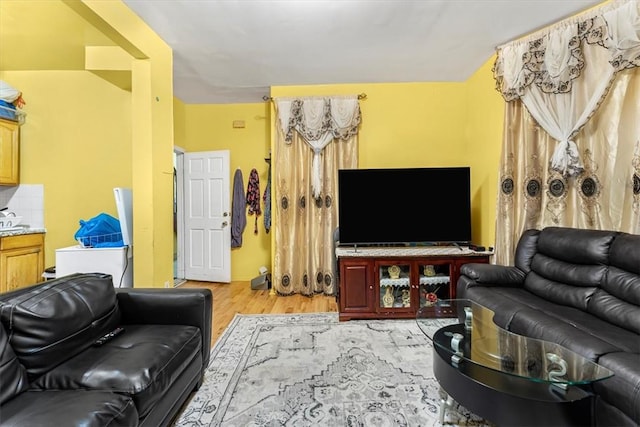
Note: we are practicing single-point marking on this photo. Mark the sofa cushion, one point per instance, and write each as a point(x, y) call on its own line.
point(623, 389)
point(500, 300)
point(49, 323)
point(568, 265)
point(142, 362)
point(69, 408)
point(563, 282)
point(625, 253)
point(507, 303)
point(13, 376)
point(608, 415)
point(618, 299)
point(563, 331)
point(526, 249)
point(615, 311)
point(576, 246)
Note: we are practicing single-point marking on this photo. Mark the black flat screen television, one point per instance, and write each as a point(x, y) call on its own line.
point(404, 206)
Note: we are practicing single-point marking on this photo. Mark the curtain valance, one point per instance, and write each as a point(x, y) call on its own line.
point(563, 73)
point(318, 120)
point(553, 58)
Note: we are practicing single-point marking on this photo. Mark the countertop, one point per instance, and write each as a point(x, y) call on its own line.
point(404, 251)
point(18, 231)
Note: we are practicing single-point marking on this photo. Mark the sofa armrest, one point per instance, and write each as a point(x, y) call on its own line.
point(177, 306)
point(493, 275)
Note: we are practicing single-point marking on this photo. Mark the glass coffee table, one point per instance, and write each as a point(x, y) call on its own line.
point(504, 377)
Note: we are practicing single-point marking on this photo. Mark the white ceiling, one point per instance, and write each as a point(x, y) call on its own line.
point(232, 51)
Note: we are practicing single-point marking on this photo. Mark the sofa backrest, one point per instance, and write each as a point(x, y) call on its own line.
point(569, 265)
point(51, 322)
point(526, 249)
point(594, 270)
point(618, 298)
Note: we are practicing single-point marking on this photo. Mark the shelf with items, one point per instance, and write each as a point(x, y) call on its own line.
point(430, 293)
point(394, 283)
point(395, 296)
point(434, 283)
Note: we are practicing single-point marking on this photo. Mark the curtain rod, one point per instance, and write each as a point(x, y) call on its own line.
point(361, 96)
point(571, 20)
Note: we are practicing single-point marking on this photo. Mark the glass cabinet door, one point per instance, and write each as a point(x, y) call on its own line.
point(395, 285)
point(434, 283)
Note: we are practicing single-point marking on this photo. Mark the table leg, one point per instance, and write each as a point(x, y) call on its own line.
point(445, 403)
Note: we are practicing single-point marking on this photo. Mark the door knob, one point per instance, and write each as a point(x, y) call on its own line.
point(225, 214)
point(225, 223)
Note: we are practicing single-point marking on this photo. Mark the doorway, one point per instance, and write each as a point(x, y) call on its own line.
point(178, 215)
point(202, 222)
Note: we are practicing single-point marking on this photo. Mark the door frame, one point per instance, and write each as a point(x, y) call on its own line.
point(179, 165)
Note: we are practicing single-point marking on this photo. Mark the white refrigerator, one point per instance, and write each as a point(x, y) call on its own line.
point(118, 261)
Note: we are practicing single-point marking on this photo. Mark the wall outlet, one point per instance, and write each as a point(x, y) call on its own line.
point(166, 284)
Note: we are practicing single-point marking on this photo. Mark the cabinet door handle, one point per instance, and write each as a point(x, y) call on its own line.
point(370, 286)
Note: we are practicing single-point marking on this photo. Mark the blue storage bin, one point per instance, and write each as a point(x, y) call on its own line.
point(7, 110)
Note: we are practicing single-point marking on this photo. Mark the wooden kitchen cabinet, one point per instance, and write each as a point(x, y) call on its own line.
point(9, 152)
point(21, 261)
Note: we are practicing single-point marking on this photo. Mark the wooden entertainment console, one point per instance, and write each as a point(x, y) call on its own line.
point(394, 282)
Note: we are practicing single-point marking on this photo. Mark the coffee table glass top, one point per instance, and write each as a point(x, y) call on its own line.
point(473, 337)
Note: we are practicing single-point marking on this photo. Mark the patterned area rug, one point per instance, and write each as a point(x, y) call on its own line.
point(312, 370)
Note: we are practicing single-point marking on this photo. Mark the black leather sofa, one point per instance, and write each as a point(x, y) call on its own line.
point(580, 289)
point(52, 374)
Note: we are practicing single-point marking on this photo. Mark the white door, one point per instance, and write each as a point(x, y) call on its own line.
point(206, 216)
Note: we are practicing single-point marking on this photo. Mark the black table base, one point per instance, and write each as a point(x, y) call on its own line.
point(508, 400)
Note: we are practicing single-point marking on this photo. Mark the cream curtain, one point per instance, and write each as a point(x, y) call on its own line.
point(571, 146)
point(562, 75)
point(315, 138)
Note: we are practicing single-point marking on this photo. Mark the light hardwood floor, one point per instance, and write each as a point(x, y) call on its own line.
point(238, 297)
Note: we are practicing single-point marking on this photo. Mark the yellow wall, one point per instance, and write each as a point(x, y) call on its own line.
point(179, 123)
point(484, 145)
point(209, 128)
point(431, 125)
point(79, 125)
point(403, 125)
point(75, 141)
point(151, 136)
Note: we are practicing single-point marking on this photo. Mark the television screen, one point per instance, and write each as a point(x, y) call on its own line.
point(404, 206)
